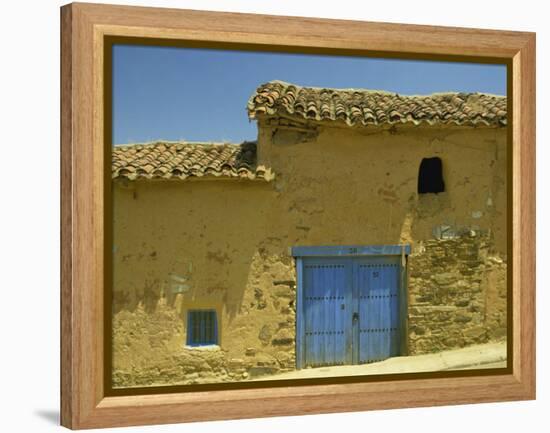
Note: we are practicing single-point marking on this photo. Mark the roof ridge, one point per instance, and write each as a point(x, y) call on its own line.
point(183, 142)
point(334, 89)
point(379, 91)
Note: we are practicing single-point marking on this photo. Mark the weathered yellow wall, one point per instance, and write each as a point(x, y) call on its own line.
point(367, 182)
point(225, 244)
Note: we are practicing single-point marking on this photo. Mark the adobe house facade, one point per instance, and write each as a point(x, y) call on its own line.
point(360, 225)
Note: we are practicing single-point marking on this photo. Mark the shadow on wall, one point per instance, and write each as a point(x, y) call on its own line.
point(230, 278)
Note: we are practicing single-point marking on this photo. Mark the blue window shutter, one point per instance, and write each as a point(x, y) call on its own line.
point(214, 328)
point(202, 323)
point(202, 328)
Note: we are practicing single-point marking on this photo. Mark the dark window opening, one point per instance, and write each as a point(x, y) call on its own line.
point(202, 328)
point(430, 176)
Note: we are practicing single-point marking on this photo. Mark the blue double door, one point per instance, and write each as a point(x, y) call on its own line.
point(351, 310)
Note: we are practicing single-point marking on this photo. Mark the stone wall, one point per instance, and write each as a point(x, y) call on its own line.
point(457, 297)
point(457, 293)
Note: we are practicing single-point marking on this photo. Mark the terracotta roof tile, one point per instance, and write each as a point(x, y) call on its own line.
point(182, 160)
point(360, 107)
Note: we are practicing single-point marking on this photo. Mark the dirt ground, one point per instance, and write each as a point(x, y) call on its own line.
point(491, 355)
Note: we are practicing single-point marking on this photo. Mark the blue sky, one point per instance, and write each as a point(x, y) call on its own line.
point(201, 94)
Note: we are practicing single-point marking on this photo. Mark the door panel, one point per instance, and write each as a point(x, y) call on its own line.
point(327, 308)
point(377, 288)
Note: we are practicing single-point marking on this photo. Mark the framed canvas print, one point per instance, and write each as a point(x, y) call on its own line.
point(269, 216)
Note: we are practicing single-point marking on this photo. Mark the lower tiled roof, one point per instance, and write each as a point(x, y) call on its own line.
point(361, 107)
point(183, 160)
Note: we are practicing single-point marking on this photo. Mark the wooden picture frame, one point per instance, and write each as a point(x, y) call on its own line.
point(84, 29)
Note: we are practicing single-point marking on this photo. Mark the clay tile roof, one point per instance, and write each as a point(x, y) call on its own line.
point(182, 160)
point(360, 107)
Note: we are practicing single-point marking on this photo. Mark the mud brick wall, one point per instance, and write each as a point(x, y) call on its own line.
point(457, 293)
point(224, 244)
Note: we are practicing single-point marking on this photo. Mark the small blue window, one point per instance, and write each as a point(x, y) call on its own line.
point(202, 328)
